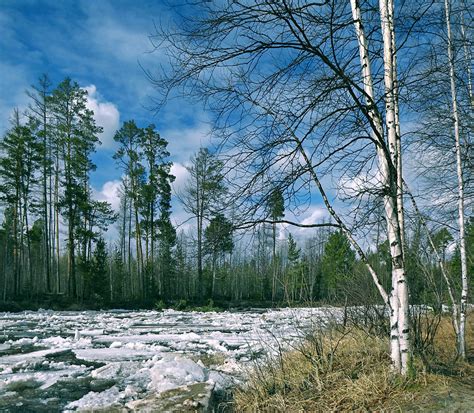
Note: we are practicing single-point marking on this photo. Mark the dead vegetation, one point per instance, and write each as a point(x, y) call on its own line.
point(349, 370)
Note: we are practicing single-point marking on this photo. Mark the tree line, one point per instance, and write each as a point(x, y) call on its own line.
point(151, 261)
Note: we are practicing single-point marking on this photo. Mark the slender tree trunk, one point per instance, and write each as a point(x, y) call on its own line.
point(71, 254)
point(56, 219)
point(398, 300)
point(71, 215)
point(467, 56)
point(51, 221)
point(398, 137)
point(399, 283)
point(138, 240)
point(47, 260)
point(28, 246)
point(459, 171)
point(199, 217)
point(213, 286)
point(152, 251)
point(274, 264)
point(16, 252)
point(129, 260)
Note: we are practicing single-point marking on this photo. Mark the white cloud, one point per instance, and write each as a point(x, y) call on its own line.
point(316, 214)
point(184, 142)
point(109, 193)
point(362, 184)
point(181, 174)
point(106, 115)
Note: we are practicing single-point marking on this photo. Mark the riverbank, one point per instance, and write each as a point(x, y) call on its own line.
point(349, 370)
point(62, 303)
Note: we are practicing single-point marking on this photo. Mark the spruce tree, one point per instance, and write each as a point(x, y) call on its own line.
point(337, 265)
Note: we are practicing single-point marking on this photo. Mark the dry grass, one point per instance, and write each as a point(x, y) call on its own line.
point(350, 371)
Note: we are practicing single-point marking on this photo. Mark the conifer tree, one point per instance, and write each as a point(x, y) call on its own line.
point(18, 163)
point(337, 265)
point(218, 241)
point(40, 111)
point(202, 197)
point(128, 157)
point(77, 137)
point(276, 209)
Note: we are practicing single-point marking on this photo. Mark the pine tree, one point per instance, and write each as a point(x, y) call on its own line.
point(77, 137)
point(166, 232)
point(40, 111)
point(156, 205)
point(202, 196)
point(128, 157)
point(276, 209)
point(18, 164)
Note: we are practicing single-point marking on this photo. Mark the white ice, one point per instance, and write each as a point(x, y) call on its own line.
point(142, 352)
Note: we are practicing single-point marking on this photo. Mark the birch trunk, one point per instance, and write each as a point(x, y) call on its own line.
point(398, 136)
point(388, 166)
point(462, 237)
point(392, 123)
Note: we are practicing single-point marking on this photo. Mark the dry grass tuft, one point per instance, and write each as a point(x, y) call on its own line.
point(349, 371)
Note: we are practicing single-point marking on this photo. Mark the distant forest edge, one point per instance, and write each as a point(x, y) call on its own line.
point(53, 252)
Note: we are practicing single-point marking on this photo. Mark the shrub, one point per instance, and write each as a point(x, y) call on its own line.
point(160, 305)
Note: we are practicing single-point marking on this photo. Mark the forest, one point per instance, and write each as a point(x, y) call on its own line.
point(48, 207)
point(327, 103)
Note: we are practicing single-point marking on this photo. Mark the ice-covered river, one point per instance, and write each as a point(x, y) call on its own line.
point(124, 360)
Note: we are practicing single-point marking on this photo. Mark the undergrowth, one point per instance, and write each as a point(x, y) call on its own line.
point(349, 370)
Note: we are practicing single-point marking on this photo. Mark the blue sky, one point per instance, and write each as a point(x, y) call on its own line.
point(101, 45)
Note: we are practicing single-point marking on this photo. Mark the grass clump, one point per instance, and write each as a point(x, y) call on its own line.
point(348, 370)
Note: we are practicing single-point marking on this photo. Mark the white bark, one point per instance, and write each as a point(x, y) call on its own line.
point(393, 133)
point(399, 338)
point(398, 136)
point(462, 236)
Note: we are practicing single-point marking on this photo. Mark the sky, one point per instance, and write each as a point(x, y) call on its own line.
point(104, 46)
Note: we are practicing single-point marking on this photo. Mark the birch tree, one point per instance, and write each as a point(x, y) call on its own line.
point(279, 65)
point(460, 179)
